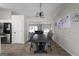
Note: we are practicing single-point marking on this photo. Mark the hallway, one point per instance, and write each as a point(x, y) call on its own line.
point(24, 50)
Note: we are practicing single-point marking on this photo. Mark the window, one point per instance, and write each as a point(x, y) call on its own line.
point(33, 28)
point(46, 31)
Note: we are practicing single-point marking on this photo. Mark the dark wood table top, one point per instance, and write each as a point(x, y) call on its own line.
point(39, 38)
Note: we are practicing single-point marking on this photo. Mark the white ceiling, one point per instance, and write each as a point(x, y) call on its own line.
point(30, 9)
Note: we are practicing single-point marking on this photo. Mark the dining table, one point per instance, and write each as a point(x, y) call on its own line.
point(40, 41)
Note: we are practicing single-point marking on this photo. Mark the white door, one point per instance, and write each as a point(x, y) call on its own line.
point(18, 29)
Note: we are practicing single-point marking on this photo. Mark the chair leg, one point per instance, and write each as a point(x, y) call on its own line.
point(31, 47)
point(50, 48)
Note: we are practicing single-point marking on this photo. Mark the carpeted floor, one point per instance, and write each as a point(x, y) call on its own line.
point(24, 50)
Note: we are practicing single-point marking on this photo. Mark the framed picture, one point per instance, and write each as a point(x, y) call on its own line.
point(63, 22)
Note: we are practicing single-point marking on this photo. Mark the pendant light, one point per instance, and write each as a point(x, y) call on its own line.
point(40, 13)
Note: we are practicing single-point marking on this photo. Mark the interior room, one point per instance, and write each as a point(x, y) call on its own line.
point(39, 29)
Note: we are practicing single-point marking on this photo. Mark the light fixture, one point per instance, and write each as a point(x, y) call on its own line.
point(76, 17)
point(40, 13)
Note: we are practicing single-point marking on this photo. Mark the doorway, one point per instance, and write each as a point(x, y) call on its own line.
point(6, 34)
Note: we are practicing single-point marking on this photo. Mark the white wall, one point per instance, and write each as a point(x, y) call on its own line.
point(68, 38)
point(5, 13)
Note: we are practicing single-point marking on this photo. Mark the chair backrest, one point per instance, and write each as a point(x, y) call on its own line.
point(38, 32)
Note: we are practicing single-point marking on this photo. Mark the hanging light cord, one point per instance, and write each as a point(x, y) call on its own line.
point(40, 13)
point(40, 7)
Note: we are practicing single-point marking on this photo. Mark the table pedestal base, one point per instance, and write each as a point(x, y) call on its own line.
point(40, 47)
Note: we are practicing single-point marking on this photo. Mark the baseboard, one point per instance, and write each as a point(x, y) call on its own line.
point(65, 48)
point(18, 43)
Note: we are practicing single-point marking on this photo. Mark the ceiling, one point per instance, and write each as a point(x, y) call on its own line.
point(30, 9)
